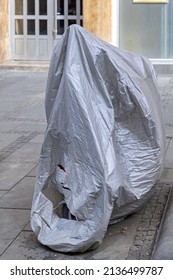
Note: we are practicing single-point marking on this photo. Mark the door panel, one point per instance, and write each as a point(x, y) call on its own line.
point(37, 25)
point(33, 29)
point(67, 12)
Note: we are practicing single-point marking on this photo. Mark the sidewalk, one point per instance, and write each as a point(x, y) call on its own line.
point(22, 126)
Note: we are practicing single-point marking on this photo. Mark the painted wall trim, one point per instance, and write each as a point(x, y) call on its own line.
point(162, 61)
point(115, 23)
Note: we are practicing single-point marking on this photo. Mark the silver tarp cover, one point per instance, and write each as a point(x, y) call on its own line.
point(104, 145)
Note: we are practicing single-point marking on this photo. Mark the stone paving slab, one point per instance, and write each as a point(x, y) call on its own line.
point(6, 139)
point(171, 143)
point(8, 106)
point(115, 245)
point(167, 143)
point(168, 112)
point(33, 112)
point(169, 130)
point(118, 239)
point(28, 227)
point(30, 82)
point(26, 247)
point(169, 158)
point(167, 175)
point(33, 172)
point(163, 249)
point(12, 173)
point(6, 126)
point(8, 112)
point(28, 153)
point(2, 193)
point(20, 197)
point(38, 139)
point(12, 223)
point(34, 125)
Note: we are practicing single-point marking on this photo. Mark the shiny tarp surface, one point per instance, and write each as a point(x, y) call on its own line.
point(103, 149)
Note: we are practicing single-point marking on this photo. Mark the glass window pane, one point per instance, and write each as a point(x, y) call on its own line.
point(18, 7)
point(60, 7)
point(72, 7)
point(43, 27)
point(81, 7)
point(167, 31)
point(31, 27)
point(71, 21)
point(81, 22)
point(19, 26)
point(60, 27)
point(43, 7)
point(31, 7)
point(142, 28)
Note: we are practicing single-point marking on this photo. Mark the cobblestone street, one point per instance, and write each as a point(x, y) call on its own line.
point(150, 218)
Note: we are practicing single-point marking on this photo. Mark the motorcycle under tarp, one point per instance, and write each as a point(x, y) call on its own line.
point(104, 144)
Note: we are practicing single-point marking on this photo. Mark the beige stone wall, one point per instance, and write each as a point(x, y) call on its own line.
point(4, 30)
point(98, 18)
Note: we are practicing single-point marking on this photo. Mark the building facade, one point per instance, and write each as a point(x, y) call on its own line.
point(4, 30)
point(29, 29)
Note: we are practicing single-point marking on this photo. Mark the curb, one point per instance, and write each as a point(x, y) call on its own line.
point(163, 249)
point(25, 66)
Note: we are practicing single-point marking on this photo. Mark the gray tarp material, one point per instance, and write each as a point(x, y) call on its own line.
point(104, 144)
